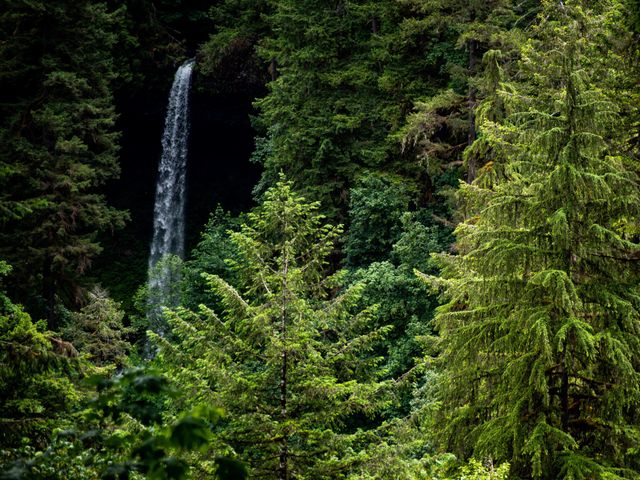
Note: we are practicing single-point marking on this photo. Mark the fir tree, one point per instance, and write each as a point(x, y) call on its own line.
point(445, 124)
point(97, 330)
point(347, 75)
point(540, 337)
point(37, 373)
point(290, 367)
point(58, 138)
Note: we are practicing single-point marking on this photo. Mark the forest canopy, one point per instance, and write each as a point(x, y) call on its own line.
point(360, 239)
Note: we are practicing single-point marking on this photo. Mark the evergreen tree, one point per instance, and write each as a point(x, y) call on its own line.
point(540, 336)
point(487, 35)
point(97, 330)
point(37, 370)
point(344, 76)
point(320, 117)
point(290, 367)
point(58, 141)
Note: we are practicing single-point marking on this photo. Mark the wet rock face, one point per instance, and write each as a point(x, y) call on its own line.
point(236, 71)
point(221, 141)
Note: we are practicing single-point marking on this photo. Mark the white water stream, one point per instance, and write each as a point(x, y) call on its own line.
point(168, 218)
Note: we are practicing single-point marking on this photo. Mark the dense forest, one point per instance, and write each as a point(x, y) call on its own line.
point(403, 241)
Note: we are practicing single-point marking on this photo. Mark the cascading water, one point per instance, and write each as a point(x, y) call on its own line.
point(168, 220)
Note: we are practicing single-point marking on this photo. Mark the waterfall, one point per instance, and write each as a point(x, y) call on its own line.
point(168, 218)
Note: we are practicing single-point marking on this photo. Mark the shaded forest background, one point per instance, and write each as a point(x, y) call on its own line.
point(412, 232)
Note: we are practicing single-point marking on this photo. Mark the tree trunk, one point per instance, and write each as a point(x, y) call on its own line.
point(283, 473)
point(49, 292)
point(472, 167)
point(273, 69)
point(283, 468)
point(564, 391)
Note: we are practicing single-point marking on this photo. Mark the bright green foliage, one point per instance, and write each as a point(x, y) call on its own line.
point(210, 255)
point(97, 331)
point(63, 459)
point(404, 301)
point(58, 140)
point(487, 152)
point(475, 470)
point(290, 364)
point(540, 336)
point(36, 373)
point(404, 452)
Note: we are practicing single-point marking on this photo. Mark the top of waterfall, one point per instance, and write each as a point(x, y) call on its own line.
point(186, 68)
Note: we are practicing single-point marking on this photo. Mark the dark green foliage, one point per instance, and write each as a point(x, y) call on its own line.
point(384, 245)
point(321, 101)
point(122, 266)
point(404, 301)
point(342, 88)
point(436, 132)
point(144, 43)
point(540, 337)
point(230, 57)
point(344, 76)
point(443, 125)
point(375, 210)
point(156, 450)
point(186, 17)
point(348, 74)
point(58, 141)
point(153, 37)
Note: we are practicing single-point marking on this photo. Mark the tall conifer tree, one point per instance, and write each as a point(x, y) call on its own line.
point(58, 140)
point(292, 368)
point(541, 334)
